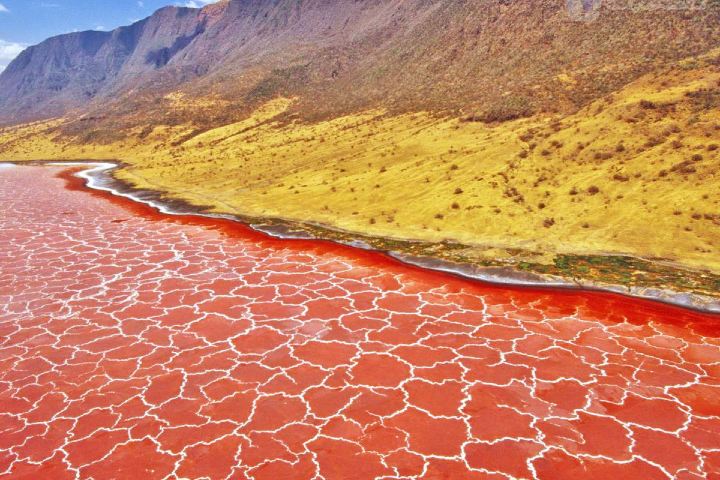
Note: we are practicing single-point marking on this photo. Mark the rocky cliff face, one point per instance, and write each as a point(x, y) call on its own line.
point(79, 69)
point(492, 58)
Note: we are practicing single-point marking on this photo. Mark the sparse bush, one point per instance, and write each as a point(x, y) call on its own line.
point(705, 99)
point(654, 142)
point(146, 132)
point(683, 168)
point(602, 156)
point(647, 105)
point(508, 108)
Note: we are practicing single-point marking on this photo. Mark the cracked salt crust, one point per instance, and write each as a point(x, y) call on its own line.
point(149, 347)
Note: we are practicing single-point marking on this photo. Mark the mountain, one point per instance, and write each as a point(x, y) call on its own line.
point(487, 59)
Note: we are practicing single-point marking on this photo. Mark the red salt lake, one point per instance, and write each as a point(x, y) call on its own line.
point(135, 345)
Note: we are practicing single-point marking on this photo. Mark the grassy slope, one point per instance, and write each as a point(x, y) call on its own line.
point(634, 173)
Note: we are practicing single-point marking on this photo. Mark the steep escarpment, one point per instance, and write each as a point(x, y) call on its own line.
point(488, 59)
point(83, 69)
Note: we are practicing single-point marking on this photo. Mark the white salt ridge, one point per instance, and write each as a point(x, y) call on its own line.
point(98, 178)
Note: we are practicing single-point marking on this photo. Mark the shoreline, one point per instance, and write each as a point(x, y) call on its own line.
point(97, 176)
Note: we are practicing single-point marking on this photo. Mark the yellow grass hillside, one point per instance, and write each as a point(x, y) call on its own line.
point(637, 172)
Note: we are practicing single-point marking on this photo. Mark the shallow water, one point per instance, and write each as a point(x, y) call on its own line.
point(137, 345)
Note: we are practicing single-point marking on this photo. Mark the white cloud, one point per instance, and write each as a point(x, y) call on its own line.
point(8, 51)
point(196, 3)
point(3, 8)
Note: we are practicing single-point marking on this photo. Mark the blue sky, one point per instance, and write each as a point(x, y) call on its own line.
point(27, 22)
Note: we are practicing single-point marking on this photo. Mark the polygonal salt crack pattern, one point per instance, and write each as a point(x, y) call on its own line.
point(152, 348)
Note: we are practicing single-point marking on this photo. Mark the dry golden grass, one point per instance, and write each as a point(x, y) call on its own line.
point(634, 173)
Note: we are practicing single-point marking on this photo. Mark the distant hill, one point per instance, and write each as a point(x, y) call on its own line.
point(486, 59)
